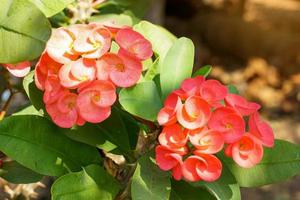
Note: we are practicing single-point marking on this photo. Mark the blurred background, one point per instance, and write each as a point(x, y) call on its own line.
point(252, 44)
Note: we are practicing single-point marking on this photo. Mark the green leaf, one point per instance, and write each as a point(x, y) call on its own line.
point(34, 94)
point(93, 182)
point(232, 89)
point(91, 135)
point(150, 182)
point(226, 187)
point(119, 132)
point(115, 131)
point(160, 38)
point(141, 100)
point(117, 19)
point(24, 31)
point(132, 127)
point(51, 7)
point(279, 163)
point(147, 64)
point(152, 71)
point(177, 65)
point(39, 145)
point(203, 71)
point(181, 190)
point(29, 110)
point(15, 173)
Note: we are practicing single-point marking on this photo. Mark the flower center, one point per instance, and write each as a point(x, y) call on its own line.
point(120, 67)
point(96, 97)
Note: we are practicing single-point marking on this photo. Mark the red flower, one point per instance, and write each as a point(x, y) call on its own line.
point(167, 115)
point(20, 69)
point(207, 141)
point(227, 121)
point(174, 138)
point(242, 106)
point(202, 167)
point(247, 152)
point(167, 160)
point(194, 113)
point(261, 130)
point(134, 44)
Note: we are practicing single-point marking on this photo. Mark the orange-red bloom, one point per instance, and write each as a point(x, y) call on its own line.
point(199, 119)
point(247, 152)
point(261, 130)
point(228, 122)
point(194, 113)
point(201, 167)
point(78, 66)
point(168, 160)
point(174, 138)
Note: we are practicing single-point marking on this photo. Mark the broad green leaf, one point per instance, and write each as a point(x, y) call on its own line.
point(39, 145)
point(90, 134)
point(29, 110)
point(160, 38)
point(279, 163)
point(92, 183)
point(13, 172)
point(117, 19)
point(115, 131)
point(150, 182)
point(141, 100)
point(182, 190)
point(232, 89)
point(138, 7)
point(147, 64)
point(152, 71)
point(51, 7)
point(203, 71)
point(132, 127)
point(177, 65)
point(34, 94)
point(119, 133)
point(226, 187)
point(24, 31)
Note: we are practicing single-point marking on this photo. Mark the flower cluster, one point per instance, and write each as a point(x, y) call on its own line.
point(79, 75)
point(199, 120)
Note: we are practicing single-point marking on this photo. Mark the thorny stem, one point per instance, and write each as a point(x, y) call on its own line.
point(146, 142)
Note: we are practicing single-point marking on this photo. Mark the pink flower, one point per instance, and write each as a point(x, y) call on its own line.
point(44, 67)
point(53, 89)
point(167, 115)
point(95, 100)
point(59, 46)
point(194, 113)
point(20, 69)
point(213, 92)
point(77, 73)
point(207, 141)
point(91, 41)
point(228, 122)
point(174, 138)
point(201, 167)
point(242, 106)
point(122, 70)
point(63, 111)
point(190, 87)
point(261, 130)
point(134, 44)
point(247, 152)
point(168, 160)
